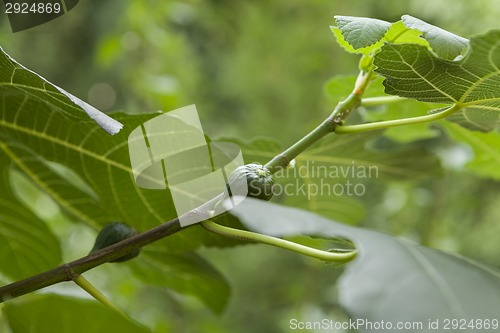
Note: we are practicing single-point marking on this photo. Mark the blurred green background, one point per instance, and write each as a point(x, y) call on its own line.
point(253, 68)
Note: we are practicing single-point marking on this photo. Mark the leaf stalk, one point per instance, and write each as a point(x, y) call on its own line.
point(397, 122)
point(94, 292)
point(336, 118)
point(335, 257)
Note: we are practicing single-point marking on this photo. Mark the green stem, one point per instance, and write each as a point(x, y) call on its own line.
point(381, 100)
point(282, 160)
point(337, 117)
point(397, 122)
point(336, 257)
point(94, 292)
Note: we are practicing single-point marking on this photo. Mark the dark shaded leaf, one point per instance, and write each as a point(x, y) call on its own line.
point(43, 313)
point(445, 44)
point(389, 271)
point(184, 272)
point(83, 169)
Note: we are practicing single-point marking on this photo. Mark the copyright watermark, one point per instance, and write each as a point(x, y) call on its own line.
point(311, 179)
point(452, 325)
point(26, 14)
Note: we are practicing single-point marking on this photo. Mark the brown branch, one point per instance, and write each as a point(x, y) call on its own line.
point(70, 271)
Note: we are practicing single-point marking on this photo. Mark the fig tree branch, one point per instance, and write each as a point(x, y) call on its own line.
point(72, 270)
point(334, 123)
point(336, 118)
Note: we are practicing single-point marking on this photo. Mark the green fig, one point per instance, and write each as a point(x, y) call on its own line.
point(260, 182)
point(113, 233)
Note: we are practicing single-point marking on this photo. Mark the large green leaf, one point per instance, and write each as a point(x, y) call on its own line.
point(367, 36)
point(414, 71)
point(85, 170)
point(27, 245)
point(361, 32)
point(44, 313)
point(185, 272)
point(389, 271)
point(445, 44)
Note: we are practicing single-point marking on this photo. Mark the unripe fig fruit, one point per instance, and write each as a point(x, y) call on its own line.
point(113, 233)
point(260, 182)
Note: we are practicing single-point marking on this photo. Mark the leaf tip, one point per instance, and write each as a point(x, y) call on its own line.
point(108, 124)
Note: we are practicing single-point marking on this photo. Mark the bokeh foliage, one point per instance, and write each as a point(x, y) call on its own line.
point(258, 69)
